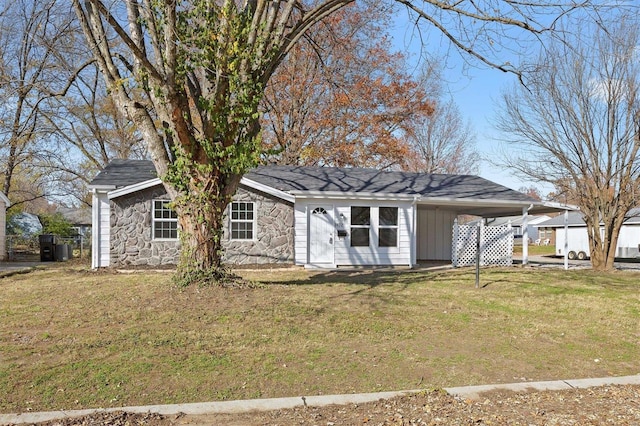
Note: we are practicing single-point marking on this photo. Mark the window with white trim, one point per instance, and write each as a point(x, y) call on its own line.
point(360, 225)
point(165, 221)
point(242, 220)
point(388, 227)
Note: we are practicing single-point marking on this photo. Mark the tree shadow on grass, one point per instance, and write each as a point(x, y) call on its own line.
point(372, 277)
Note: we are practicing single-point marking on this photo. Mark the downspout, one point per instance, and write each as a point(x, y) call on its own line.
point(525, 234)
point(414, 232)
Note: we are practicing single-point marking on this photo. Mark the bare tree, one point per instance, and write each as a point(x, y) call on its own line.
point(87, 132)
point(33, 37)
point(531, 191)
point(191, 76)
point(575, 125)
point(443, 142)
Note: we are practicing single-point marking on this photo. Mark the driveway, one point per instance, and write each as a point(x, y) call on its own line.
point(10, 268)
point(558, 262)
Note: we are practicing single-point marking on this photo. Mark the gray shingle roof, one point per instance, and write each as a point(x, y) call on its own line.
point(292, 178)
point(356, 180)
point(121, 173)
point(575, 219)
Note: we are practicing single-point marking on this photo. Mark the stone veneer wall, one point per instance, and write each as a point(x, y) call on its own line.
point(132, 243)
point(274, 239)
point(131, 239)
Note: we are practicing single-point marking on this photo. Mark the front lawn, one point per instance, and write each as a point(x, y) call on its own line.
point(535, 250)
point(71, 338)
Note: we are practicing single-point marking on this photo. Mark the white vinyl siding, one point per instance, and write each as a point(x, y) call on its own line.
point(301, 236)
point(434, 233)
point(387, 227)
point(101, 243)
point(345, 254)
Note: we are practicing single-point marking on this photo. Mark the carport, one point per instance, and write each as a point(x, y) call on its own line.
point(435, 218)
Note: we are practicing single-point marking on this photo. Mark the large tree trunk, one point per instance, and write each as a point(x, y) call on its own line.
point(602, 245)
point(201, 216)
point(201, 243)
point(598, 255)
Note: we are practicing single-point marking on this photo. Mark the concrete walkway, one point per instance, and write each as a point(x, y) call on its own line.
point(467, 392)
point(8, 269)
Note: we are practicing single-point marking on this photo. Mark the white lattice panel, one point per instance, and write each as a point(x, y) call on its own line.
point(496, 245)
point(464, 245)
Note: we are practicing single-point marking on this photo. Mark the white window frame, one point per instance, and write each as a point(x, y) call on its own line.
point(396, 226)
point(368, 226)
point(154, 220)
point(233, 220)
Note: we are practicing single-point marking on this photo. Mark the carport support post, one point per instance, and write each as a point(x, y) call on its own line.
point(525, 235)
point(566, 239)
point(478, 234)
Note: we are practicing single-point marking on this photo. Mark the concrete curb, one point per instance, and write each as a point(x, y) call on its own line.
point(467, 392)
point(473, 392)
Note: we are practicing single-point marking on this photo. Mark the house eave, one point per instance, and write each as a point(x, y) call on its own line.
point(268, 190)
point(140, 186)
point(130, 189)
point(450, 201)
point(5, 200)
point(494, 208)
point(101, 188)
point(552, 206)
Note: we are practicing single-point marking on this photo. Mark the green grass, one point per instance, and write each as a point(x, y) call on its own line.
point(534, 250)
point(71, 338)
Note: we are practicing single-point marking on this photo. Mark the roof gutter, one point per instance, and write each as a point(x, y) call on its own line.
point(352, 195)
point(470, 202)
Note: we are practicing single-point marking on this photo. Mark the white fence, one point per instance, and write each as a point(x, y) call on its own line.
point(496, 245)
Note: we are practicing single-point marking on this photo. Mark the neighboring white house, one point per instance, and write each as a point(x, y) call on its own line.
point(4, 205)
point(575, 241)
point(311, 216)
point(517, 225)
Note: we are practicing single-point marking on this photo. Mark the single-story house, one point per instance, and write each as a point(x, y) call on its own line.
point(4, 205)
point(79, 218)
point(310, 216)
point(573, 239)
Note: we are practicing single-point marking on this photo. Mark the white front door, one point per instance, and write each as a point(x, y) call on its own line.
point(321, 236)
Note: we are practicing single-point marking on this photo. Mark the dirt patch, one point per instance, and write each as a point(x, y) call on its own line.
point(606, 405)
point(119, 418)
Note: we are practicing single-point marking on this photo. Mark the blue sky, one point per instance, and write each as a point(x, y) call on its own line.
point(475, 89)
